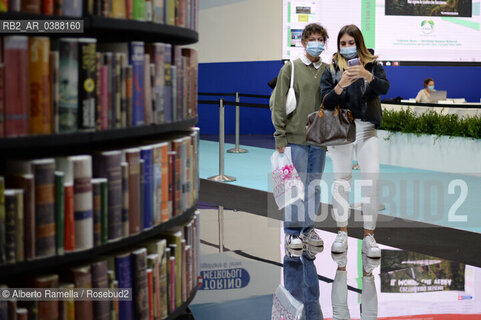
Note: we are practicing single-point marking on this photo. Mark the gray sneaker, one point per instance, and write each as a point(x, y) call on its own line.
point(312, 242)
point(293, 245)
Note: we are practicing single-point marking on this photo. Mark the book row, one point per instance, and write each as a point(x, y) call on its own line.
point(161, 273)
point(57, 205)
point(50, 86)
point(181, 13)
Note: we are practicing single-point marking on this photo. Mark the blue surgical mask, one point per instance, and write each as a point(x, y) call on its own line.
point(431, 88)
point(349, 52)
point(315, 48)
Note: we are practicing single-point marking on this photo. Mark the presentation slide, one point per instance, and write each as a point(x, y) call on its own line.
point(398, 30)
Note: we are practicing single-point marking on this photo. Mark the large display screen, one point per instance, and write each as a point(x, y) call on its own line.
point(398, 30)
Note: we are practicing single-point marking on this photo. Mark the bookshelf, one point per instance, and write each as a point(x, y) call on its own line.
point(42, 265)
point(178, 232)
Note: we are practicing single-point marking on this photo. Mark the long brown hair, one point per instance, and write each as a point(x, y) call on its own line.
point(364, 55)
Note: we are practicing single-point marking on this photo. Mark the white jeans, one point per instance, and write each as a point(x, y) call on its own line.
point(367, 154)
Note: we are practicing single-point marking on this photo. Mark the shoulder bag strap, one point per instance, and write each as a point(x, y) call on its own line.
point(292, 74)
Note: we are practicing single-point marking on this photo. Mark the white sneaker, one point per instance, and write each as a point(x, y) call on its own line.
point(340, 258)
point(369, 264)
point(340, 244)
point(370, 247)
point(293, 245)
point(312, 241)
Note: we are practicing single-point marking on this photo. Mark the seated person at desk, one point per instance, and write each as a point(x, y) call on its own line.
point(425, 94)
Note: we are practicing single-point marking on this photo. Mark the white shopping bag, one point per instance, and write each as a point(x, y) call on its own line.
point(287, 186)
point(285, 306)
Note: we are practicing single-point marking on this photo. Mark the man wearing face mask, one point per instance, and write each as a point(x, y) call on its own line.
point(425, 94)
point(302, 243)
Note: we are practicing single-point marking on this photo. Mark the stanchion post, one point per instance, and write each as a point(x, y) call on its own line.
point(237, 126)
point(221, 177)
point(220, 218)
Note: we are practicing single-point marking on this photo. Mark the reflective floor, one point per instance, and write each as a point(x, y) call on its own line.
point(239, 283)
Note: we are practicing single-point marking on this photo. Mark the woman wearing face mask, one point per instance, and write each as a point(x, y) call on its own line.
point(301, 241)
point(425, 94)
point(358, 88)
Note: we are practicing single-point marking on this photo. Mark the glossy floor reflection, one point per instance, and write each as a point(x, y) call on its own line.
point(408, 285)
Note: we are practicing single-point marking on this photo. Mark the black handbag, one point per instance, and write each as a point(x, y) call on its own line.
point(330, 127)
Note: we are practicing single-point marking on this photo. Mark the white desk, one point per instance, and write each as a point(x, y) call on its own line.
point(463, 110)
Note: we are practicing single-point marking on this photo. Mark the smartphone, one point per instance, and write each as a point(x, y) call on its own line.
point(353, 62)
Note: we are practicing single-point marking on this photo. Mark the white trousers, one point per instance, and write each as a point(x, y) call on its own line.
point(367, 154)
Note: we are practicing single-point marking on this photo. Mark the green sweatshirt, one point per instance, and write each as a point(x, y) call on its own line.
point(292, 128)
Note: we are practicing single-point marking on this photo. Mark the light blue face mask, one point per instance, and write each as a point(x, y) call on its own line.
point(315, 48)
point(431, 88)
point(348, 52)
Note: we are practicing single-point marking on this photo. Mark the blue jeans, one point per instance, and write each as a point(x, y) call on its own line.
point(300, 274)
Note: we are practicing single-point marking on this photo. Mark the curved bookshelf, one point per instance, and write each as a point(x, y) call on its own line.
point(77, 257)
point(60, 143)
point(111, 29)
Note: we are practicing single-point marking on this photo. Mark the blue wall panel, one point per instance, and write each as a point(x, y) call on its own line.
point(252, 77)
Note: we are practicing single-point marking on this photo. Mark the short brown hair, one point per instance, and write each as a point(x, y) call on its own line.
point(427, 81)
point(313, 28)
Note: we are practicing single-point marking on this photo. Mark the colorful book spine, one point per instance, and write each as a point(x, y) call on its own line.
point(123, 270)
point(11, 211)
point(98, 91)
point(82, 278)
point(136, 59)
point(133, 157)
point(22, 314)
point(58, 7)
point(129, 94)
point(148, 10)
point(54, 87)
point(15, 62)
point(60, 211)
point(129, 9)
point(158, 11)
point(104, 97)
point(178, 175)
point(47, 309)
point(157, 54)
point(147, 91)
point(152, 94)
point(86, 83)
point(167, 83)
point(170, 12)
point(172, 155)
point(139, 259)
point(188, 276)
point(153, 264)
point(174, 241)
point(117, 121)
point(101, 309)
point(125, 199)
point(67, 307)
point(108, 63)
point(172, 283)
point(173, 74)
point(104, 211)
point(141, 187)
point(113, 284)
point(68, 79)
point(40, 118)
point(3, 241)
point(31, 6)
point(107, 165)
point(14, 5)
point(166, 213)
point(65, 165)
point(27, 184)
point(96, 210)
point(118, 9)
point(196, 137)
point(123, 88)
point(48, 7)
point(183, 271)
point(72, 8)
point(44, 173)
point(139, 12)
point(147, 186)
point(150, 292)
point(82, 174)
point(163, 286)
point(157, 183)
point(3, 5)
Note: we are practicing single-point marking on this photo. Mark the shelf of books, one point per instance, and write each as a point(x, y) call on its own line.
point(99, 159)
